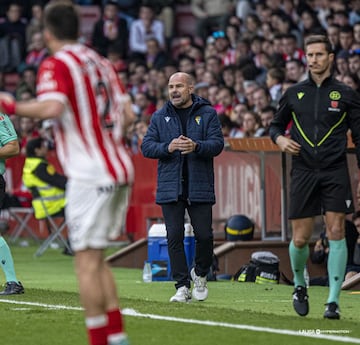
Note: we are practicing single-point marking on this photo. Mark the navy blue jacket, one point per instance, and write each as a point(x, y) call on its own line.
point(203, 127)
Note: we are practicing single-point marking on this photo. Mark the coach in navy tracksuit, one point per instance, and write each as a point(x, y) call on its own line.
point(185, 135)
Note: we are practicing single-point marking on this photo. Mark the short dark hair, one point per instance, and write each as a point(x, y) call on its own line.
point(62, 20)
point(319, 39)
point(32, 145)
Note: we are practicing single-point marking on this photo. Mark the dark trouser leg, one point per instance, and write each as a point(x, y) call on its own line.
point(201, 220)
point(174, 221)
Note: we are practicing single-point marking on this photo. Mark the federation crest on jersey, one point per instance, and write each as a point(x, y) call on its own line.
point(335, 95)
point(198, 119)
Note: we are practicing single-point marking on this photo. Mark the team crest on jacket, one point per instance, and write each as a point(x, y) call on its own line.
point(167, 118)
point(198, 119)
point(300, 95)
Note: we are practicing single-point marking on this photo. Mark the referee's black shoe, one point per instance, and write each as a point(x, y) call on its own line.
point(332, 311)
point(301, 300)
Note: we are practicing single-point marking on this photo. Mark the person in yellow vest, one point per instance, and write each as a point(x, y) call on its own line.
point(43, 181)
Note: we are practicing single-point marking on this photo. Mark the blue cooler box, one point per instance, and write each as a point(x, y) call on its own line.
point(158, 255)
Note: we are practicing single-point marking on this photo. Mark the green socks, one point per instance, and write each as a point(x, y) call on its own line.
point(336, 268)
point(6, 261)
point(298, 258)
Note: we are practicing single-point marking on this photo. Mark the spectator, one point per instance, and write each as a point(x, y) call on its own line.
point(341, 63)
point(310, 23)
point(266, 116)
point(354, 14)
point(210, 16)
point(252, 26)
point(43, 181)
point(346, 37)
point(252, 125)
point(351, 80)
point(187, 64)
point(333, 32)
point(226, 100)
point(295, 70)
point(243, 9)
point(237, 115)
point(229, 129)
point(354, 62)
point(213, 93)
point(223, 48)
point(110, 30)
point(27, 131)
point(155, 56)
point(202, 90)
point(228, 75)
point(35, 24)
point(261, 98)
point(249, 87)
point(274, 79)
point(214, 65)
point(341, 17)
point(291, 50)
point(145, 105)
point(356, 31)
point(117, 58)
point(12, 38)
point(27, 80)
point(143, 28)
point(37, 50)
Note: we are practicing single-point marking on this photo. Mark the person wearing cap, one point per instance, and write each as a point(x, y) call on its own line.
point(202, 89)
point(224, 51)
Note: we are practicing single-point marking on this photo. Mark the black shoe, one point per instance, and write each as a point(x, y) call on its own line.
point(13, 288)
point(300, 301)
point(332, 311)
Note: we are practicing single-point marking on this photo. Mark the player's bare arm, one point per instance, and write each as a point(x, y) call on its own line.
point(35, 109)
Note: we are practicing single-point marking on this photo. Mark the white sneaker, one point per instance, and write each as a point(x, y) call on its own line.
point(200, 290)
point(182, 295)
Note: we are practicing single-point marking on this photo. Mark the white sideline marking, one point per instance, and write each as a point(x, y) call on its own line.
point(134, 313)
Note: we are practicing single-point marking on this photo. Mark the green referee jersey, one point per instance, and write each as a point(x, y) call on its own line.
point(7, 134)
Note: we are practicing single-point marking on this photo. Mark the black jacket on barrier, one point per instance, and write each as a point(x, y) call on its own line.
point(321, 117)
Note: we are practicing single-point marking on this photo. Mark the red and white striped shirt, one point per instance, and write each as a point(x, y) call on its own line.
point(88, 134)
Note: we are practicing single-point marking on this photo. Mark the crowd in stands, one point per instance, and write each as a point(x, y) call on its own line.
point(243, 54)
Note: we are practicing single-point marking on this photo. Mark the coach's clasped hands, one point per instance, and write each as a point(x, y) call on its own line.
point(7, 103)
point(183, 144)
